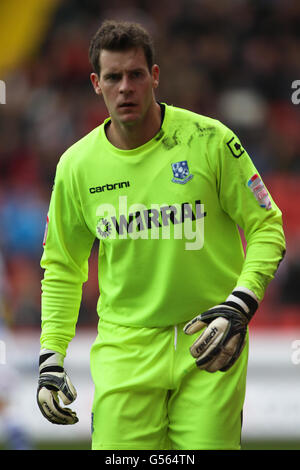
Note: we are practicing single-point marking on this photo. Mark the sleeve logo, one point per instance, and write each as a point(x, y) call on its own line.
point(235, 147)
point(46, 231)
point(260, 192)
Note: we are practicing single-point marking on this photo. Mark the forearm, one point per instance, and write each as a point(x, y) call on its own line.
point(60, 307)
point(265, 250)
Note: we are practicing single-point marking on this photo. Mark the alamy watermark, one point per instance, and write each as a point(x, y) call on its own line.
point(295, 357)
point(175, 221)
point(2, 352)
point(2, 92)
point(296, 93)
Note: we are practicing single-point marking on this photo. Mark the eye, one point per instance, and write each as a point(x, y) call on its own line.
point(137, 74)
point(112, 77)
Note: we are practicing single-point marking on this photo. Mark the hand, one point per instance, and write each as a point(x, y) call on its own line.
point(53, 384)
point(222, 342)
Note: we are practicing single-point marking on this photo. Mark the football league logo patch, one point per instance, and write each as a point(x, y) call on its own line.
point(260, 192)
point(181, 172)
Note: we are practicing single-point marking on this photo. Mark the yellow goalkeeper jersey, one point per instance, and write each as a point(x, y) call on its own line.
point(166, 215)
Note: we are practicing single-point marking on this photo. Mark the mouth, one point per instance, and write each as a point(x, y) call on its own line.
point(127, 104)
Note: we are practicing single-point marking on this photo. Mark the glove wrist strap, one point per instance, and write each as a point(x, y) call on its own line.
point(244, 300)
point(51, 361)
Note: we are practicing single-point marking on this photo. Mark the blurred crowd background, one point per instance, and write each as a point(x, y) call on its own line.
point(233, 60)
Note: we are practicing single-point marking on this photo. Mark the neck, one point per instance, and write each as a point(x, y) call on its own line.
point(128, 137)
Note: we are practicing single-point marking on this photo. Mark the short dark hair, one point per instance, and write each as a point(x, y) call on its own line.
point(120, 36)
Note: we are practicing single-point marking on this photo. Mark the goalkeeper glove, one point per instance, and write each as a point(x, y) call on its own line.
point(53, 383)
point(221, 343)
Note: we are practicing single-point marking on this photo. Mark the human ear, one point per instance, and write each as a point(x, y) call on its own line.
point(155, 75)
point(96, 83)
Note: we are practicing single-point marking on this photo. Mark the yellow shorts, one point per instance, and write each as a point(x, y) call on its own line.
point(149, 393)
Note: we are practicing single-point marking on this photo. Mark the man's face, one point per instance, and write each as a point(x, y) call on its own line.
point(126, 84)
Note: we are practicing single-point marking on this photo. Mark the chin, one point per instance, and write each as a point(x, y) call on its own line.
point(130, 118)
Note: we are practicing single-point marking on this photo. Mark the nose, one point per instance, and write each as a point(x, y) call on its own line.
point(125, 85)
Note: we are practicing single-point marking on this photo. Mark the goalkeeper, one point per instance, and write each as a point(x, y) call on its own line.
point(164, 190)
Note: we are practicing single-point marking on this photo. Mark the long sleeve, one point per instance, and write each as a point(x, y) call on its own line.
point(245, 198)
point(67, 247)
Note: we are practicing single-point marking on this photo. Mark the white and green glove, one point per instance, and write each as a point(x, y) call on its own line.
point(223, 340)
point(53, 384)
